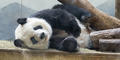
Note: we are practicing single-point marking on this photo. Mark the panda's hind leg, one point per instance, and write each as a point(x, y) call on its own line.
point(55, 42)
point(69, 44)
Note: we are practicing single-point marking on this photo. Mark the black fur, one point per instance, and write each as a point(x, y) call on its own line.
point(68, 44)
point(22, 21)
point(55, 42)
point(42, 35)
point(60, 19)
point(21, 44)
point(65, 43)
point(34, 41)
point(80, 13)
point(18, 43)
point(38, 27)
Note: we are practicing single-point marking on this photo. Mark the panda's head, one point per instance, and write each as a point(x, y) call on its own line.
point(32, 33)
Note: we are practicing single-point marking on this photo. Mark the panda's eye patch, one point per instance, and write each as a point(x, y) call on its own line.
point(38, 27)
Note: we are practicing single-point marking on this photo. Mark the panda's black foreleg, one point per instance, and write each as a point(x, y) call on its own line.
point(68, 44)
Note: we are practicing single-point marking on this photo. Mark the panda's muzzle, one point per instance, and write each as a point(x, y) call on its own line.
point(34, 41)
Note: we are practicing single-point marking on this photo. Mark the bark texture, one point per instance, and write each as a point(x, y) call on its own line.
point(100, 21)
point(111, 45)
point(104, 34)
point(117, 11)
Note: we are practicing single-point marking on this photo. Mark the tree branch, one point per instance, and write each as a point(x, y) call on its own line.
point(101, 20)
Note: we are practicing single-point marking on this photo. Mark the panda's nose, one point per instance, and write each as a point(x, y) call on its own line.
point(42, 35)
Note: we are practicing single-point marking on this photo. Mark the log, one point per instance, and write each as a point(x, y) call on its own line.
point(104, 34)
point(109, 45)
point(117, 11)
point(10, 53)
point(100, 21)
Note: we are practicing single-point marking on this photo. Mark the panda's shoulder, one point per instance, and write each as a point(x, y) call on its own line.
point(53, 15)
point(48, 12)
point(74, 10)
point(69, 8)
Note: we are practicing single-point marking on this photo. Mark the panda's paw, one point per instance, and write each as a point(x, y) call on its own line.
point(69, 44)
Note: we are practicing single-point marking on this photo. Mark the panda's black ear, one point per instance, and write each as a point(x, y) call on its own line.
point(22, 21)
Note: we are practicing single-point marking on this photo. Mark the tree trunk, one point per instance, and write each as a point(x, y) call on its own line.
point(101, 20)
point(117, 11)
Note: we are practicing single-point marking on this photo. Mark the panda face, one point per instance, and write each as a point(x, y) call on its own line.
point(35, 33)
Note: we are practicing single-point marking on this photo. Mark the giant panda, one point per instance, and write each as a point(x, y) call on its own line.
point(58, 28)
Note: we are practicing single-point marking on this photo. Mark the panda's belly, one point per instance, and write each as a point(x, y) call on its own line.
point(84, 38)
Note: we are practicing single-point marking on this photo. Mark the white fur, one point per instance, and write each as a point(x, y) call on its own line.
point(84, 38)
point(26, 31)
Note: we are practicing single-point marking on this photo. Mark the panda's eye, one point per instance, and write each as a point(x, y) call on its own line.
point(38, 27)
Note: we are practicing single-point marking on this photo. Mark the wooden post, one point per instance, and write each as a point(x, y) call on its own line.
point(117, 7)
